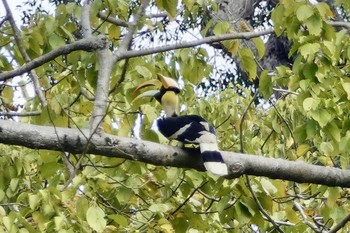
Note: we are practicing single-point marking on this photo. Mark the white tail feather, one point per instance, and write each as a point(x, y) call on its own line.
point(216, 168)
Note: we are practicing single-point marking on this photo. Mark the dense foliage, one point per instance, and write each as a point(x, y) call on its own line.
point(307, 120)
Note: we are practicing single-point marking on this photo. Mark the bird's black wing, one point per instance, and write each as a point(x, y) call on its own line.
point(185, 128)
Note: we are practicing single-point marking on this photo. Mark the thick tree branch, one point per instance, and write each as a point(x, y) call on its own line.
point(85, 20)
point(105, 68)
point(73, 141)
point(87, 44)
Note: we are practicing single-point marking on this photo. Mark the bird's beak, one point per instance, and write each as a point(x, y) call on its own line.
point(162, 81)
point(168, 82)
point(152, 82)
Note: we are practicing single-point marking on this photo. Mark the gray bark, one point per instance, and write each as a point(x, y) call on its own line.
point(76, 141)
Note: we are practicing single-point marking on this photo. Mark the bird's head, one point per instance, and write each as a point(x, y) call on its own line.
point(166, 95)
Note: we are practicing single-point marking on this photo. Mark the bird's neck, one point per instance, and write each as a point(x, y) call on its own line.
point(170, 111)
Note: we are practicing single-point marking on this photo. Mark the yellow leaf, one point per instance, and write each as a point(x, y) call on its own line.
point(302, 149)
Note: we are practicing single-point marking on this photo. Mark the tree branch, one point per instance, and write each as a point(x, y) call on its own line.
point(188, 44)
point(105, 68)
point(125, 45)
point(87, 44)
point(85, 20)
point(340, 224)
point(18, 38)
point(339, 24)
point(75, 141)
point(20, 114)
point(113, 20)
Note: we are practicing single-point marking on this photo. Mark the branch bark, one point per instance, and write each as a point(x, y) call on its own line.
point(87, 44)
point(75, 141)
point(188, 44)
point(19, 41)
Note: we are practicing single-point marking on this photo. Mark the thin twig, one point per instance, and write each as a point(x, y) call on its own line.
point(261, 208)
point(70, 168)
point(340, 224)
point(188, 198)
point(122, 76)
point(242, 120)
point(285, 122)
point(298, 206)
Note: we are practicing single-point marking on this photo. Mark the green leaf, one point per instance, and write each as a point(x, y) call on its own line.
point(7, 94)
point(346, 87)
point(337, 214)
point(268, 186)
point(333, 131)
point(221, 27)
point(300, 133)
point(322, 116)
point(260, 46)
point(265, 84)
point(114, 32)
point(326, 148)
point(309, 50)
point(304, 12)
point(222, 203)
point(311, 103)
point(144, 71)
point(95, 218)
point(276, 15)
point(33, 200)
point(124, 194)
point(159, 207)
point(302, 149)
point(56, 41)
point(247, 60)
point(324, 10)
point(14, 184)
point(169, 6)
point(314, 25)
point(119, 219)
point(2, 195)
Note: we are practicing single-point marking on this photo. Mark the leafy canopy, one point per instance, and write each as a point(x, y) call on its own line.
point(309, 122)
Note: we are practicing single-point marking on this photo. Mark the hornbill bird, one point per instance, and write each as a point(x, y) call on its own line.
point(187, 129)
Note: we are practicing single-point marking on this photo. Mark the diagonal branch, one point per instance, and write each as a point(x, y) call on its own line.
point(22, 50)
point(74, 141)
point(126, 43)
point(340, 224)
point(87, 44)
point(193, 43)
point(261, 208)
point(113, 20)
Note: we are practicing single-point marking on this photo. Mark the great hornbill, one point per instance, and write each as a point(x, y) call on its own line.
point(187, 129)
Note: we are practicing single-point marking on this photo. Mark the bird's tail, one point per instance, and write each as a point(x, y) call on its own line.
point(212, 158)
